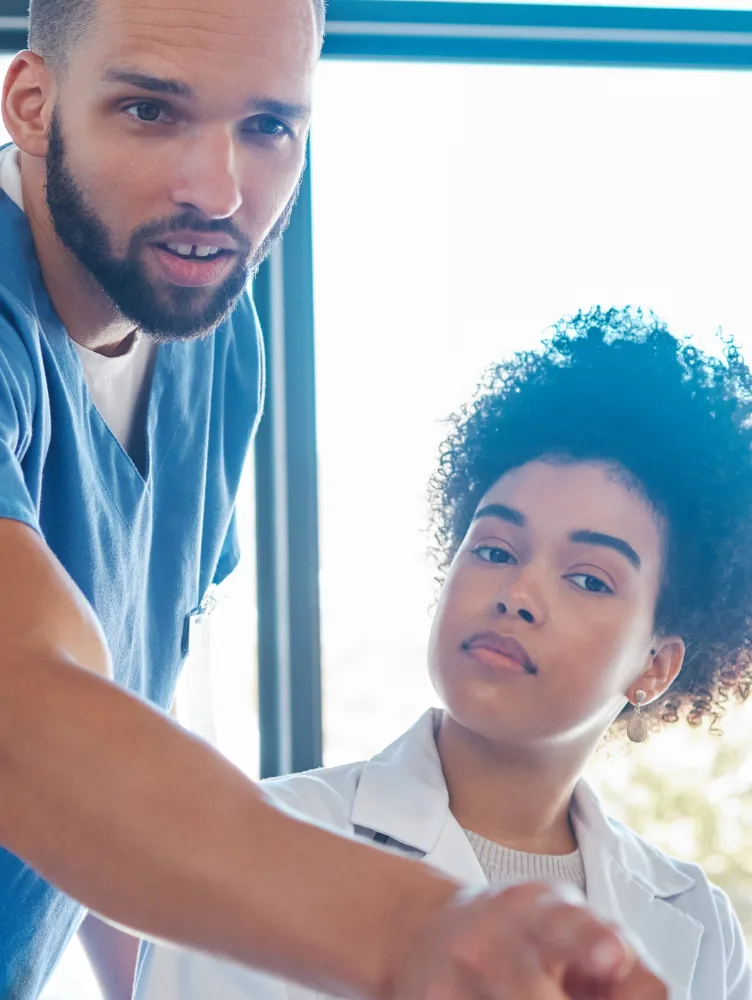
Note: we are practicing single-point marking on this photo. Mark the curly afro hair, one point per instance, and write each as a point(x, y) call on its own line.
point(615, 386)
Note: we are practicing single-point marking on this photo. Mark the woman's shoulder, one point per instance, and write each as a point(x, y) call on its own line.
point(648, 884)
point(654, 861)
point(683, 883)
point(695, 894)
point(324, 795)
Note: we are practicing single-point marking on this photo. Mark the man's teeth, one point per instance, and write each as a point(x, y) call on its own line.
point(189, 250)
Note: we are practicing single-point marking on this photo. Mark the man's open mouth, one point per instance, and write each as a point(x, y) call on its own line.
point(186, 251)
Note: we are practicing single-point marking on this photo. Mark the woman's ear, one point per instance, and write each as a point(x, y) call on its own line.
point(28, 102)
point(664, 663)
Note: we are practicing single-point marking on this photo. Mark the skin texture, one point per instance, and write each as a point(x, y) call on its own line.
point(135, 800)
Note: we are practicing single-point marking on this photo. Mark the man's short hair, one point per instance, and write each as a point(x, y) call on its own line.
point(56, 26)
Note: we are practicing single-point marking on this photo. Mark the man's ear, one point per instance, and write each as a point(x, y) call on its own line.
point(663, 665)
point(28, 102)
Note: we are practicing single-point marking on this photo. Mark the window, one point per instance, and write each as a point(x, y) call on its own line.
point(677, 4)
point(459, 210)
point(217, 695)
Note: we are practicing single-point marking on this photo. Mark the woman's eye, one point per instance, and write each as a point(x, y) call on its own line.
point(146, 111)
point(493, 554)
point(593, 584)
point(267, 125)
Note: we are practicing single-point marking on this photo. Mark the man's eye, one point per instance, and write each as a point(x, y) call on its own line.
point(267, 125)
point(493, 554)
point(146, 111)
point(590, 583)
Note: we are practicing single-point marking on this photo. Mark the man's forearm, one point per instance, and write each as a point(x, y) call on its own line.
point(147, 825)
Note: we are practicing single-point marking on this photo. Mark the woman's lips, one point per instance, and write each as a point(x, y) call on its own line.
point(501, 652)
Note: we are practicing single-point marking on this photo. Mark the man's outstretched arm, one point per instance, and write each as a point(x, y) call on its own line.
point(120, 808)
point(124, 810)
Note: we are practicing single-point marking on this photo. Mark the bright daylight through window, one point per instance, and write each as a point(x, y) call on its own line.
point(680, 4)
point(459, 210)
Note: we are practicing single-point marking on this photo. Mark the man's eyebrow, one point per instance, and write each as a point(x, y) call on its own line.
point(145, 81)
point(609, 542)
point(165, 85)
point(501, 511)
point(279, 109)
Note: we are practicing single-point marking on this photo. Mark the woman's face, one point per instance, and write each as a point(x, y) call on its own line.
point(545, 621)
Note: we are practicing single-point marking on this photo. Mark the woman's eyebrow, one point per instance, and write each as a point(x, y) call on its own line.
point(608, 541)
point(503, 512)
point(583, 536)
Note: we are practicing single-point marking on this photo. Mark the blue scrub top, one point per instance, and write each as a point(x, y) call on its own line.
point(144, 549)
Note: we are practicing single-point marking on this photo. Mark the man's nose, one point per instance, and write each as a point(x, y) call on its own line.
point(207, 178)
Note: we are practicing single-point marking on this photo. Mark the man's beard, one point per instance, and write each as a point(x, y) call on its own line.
point(167, 312)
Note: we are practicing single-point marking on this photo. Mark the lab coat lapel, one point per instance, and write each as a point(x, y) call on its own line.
point(454, 856)
point(402, 795)
point(632, 884)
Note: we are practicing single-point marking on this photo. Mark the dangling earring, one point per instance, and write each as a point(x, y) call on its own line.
point(637, 728)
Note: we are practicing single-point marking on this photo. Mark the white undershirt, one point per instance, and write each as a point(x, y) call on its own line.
point(118, 386)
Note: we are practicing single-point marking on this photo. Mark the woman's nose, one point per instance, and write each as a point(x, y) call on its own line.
point(523, 596)
point(507, 608)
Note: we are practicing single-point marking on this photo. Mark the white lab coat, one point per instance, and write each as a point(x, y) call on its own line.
point(683, 926)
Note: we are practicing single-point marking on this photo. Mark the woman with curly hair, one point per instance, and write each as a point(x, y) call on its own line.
point(592, 516)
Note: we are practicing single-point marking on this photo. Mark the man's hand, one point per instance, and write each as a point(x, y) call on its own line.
point(530, 942)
